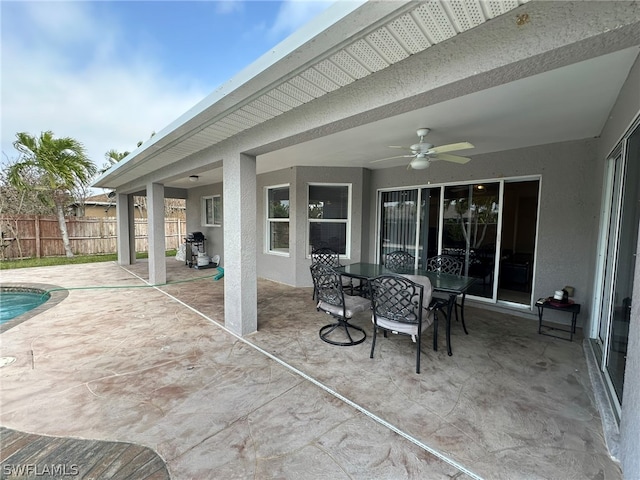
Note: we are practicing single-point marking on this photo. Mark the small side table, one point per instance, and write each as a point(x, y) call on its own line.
point(573, 309)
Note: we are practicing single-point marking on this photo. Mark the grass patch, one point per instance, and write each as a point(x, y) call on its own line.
point(54, 261)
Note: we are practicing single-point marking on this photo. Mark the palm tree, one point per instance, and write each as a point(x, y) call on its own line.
point(112, 157)
point(60, 163)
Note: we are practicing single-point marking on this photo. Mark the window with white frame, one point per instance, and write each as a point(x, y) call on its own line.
point(278, 220)
point(329, 217)
point(212, 211)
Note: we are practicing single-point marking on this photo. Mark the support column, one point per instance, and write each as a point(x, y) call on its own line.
point(125, 230)
point(239, 220)
point(155, 231)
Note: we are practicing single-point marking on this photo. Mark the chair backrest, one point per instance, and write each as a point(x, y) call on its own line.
point(445, 264)
point(327, 284)
point(397, 298)
point(325, 256)
point(399, 260)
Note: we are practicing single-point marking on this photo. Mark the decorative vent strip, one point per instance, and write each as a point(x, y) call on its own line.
point(252, 110)
point(274, 103)
point(387, 45)
point(435, 21)
point(367, 56)
point(244, 112)
point(350, 65)
point(211, 134)
point(262, 104)
point(294, 92)
point(314, 76)
point(335, 73)
point(307, 87)
point(408, 32)
point(241, 120)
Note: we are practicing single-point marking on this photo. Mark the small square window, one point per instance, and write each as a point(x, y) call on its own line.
point(212, 211)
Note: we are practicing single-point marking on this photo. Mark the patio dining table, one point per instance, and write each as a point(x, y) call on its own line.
point(451, 285)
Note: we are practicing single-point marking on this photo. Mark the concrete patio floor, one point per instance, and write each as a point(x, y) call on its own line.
point(120, 361)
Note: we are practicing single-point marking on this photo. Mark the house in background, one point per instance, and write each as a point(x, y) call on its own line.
point(104, 205)
point(286, 155)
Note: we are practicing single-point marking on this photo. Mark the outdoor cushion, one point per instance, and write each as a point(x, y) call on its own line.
point(352, 304)
point(401, 327)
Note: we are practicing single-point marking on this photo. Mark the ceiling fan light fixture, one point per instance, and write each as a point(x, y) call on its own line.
point(420, 162)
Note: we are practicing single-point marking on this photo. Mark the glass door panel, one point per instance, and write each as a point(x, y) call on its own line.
point(470, 231)
point(517, 247)
point(615, 189)
point(620, 312)
point(398, 225)
point(429, 224)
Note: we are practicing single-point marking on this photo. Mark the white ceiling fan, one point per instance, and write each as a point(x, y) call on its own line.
point(424, 153)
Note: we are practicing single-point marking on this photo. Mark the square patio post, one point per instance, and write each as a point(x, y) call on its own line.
point(239, 223)
point(125, 230)
point(156, 235)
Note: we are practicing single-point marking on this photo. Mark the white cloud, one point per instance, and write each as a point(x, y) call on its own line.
point(70, 67)
point(295, 13)
point(225, 7)
point(70, 79)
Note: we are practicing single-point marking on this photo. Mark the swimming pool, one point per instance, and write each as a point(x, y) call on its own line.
point(53, 295)
point(16, 301)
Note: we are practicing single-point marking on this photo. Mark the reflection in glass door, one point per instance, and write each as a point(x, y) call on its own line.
point(429, 224)
point(470, 231)
point(398, 222)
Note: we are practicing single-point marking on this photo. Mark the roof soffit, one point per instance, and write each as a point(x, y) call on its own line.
point(385, 33)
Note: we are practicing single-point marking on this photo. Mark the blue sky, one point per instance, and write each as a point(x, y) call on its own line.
point(110, 73)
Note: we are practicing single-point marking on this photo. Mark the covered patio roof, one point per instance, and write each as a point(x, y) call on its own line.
point(527, 95)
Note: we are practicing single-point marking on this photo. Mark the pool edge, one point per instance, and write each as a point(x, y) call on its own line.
point(57, 295)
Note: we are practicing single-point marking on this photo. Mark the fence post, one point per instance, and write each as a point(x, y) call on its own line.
point(37, 225)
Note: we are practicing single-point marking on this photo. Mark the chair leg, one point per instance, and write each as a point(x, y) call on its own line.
point(373, 343)
point(464, 326)
point(435, 331)
point(418, 352)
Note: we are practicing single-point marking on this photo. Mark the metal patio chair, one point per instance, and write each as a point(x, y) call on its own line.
point(401, 306)
point(327, 284)
point(399, 261)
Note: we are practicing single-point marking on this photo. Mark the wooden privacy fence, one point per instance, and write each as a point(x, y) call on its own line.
point(28, 236)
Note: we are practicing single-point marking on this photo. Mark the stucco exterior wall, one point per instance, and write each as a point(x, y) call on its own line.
point(569, 207)
point(294, 269)
point(630, 418)
point(622, 114)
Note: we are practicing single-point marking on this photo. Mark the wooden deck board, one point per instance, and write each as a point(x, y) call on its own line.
point(27, 456)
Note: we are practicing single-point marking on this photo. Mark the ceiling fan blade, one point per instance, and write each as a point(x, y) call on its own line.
point(390, 158)
point(399, 146)
point(452, 147)
point(450, 158)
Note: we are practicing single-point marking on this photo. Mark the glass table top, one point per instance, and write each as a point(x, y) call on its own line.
point(443, 282)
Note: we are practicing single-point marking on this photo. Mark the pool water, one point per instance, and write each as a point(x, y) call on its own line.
point(14, 303)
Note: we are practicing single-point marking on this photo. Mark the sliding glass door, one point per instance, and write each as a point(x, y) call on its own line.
point(621, 225)
point(466, 221)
